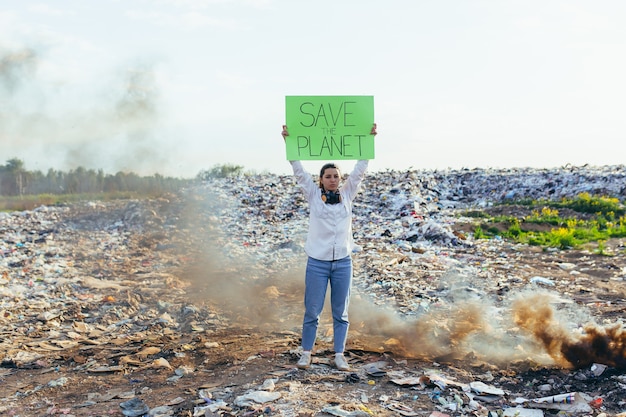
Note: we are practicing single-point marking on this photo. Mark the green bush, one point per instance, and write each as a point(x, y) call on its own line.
point(608, 221)
point(479, 234)
point(562, 238)
point(586, 203)
point(221, 171)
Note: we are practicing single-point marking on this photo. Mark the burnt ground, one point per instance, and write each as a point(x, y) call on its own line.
point(170, 318)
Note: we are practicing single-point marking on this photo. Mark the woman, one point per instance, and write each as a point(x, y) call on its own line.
point(328, 246)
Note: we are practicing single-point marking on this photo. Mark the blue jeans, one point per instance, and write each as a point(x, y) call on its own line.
point(318, 275)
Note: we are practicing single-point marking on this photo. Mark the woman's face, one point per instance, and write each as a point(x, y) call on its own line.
point(330, 179)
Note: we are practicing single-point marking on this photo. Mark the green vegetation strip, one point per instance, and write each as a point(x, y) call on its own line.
point(30, 202)
point(600, 218)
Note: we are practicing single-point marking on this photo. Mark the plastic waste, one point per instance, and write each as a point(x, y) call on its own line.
point(134, 407)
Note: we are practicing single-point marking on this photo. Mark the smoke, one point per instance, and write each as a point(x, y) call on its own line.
point(15, 68)
point(433, 335)
point(596, 344)
point(534, 326)
point(243, 295)
point(122, 126)
point(530, 326)
point(111, 122)
point(248, 291)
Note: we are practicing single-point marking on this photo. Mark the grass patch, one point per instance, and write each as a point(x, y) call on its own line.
point(30, 202)
point(590, 219)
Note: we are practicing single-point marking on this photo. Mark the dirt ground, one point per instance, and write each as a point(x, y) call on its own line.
point(178, 325)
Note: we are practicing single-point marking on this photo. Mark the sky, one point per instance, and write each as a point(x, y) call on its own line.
point(179, 86)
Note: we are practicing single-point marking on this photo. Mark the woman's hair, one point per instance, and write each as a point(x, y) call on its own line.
point(324, 168)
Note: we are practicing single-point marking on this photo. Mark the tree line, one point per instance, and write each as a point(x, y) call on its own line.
point(15, 180)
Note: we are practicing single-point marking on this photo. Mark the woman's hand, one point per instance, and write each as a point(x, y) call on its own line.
point(373, 132)
point(285, 133)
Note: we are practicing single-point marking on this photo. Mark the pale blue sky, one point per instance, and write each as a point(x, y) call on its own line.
point(177, 86)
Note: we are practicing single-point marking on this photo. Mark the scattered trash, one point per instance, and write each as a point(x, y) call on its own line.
point(598, 369)
point(407, 380)
point(522, 412)
point(375, 369)
point(353, 378)
point(161, 411)
point(134, 408)
point(96, 277)
point(58, 382)
point(481, 388)
point(337, 411)
point(160, 363)
point(542, 280)
point(401, 409)
point(572, 402)
point(259, 397)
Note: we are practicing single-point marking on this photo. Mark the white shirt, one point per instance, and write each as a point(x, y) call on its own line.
point(330, 225)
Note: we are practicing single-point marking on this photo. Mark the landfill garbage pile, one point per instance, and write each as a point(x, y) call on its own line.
point(191, 304)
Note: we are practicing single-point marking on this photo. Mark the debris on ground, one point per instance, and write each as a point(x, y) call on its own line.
point(191, 304)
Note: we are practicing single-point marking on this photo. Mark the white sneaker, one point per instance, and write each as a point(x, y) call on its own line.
point(305, 360)
point(341, 363)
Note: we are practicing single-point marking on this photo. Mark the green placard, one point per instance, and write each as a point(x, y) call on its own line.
point(329, 127)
